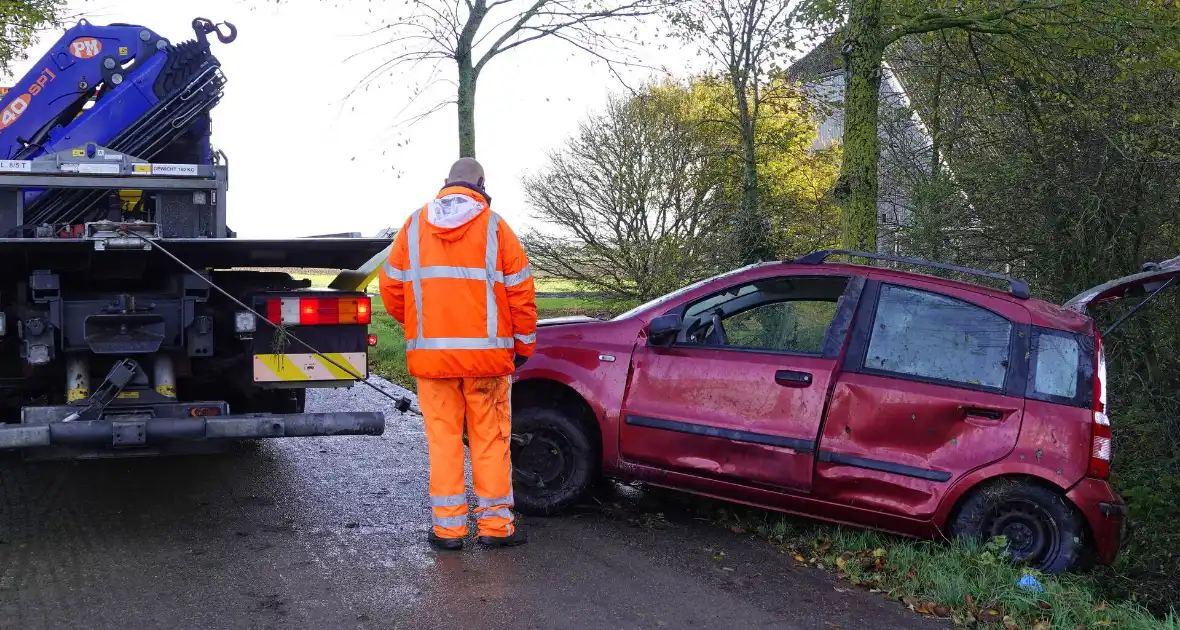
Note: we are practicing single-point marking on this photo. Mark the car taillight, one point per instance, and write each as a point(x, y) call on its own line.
point(318, 311)
point(1100, 445)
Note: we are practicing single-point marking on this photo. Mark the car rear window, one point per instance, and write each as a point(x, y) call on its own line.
point(1057, 366)
point(1061, 367)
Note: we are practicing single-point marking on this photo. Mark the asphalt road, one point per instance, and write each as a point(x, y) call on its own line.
point(330, 533)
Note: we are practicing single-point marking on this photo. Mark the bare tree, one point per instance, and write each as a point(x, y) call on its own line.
point(633, 199)
point(470, 33)
point(745, 39)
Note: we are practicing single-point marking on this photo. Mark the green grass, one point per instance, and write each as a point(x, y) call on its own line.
point(969, 584)
point(388, 359)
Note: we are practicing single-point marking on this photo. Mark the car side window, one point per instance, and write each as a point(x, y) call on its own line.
point(794, 326)
point(932, 336)
point(778, 314)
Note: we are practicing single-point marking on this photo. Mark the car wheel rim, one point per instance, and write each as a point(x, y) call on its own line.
point(1030, 531)
point(541, 459)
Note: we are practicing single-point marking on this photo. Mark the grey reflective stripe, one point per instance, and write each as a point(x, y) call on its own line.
point(527, 338)
point(487, 503)
point(460, 273)
point(491, 257)
point(416, 269)
point(460, 343)
point(514, 279)
point(503, 512)
point(453, 500)
point(489, 275)
point(450, 521)
point(393, 272)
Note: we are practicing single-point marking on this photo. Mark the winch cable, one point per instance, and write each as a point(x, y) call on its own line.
point(401, 403)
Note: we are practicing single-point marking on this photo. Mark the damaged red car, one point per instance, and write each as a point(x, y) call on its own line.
point(854, 394)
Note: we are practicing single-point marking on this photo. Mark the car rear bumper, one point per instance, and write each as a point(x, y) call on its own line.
point(1107, 515)
point(133, 431)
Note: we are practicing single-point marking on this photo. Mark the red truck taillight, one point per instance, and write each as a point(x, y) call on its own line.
point(1100, 445)
point(317, 311)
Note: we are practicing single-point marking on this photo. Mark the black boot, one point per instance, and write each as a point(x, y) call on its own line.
point(517, 537)
point(446, 544)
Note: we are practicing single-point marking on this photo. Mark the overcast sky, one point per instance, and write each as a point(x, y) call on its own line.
point(300, 165)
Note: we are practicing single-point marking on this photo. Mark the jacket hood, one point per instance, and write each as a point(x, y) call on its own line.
point(453, 210)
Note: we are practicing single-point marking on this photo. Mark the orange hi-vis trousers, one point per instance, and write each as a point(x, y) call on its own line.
point(484, 404)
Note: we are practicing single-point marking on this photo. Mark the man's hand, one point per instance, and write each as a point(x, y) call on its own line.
point(519, 360)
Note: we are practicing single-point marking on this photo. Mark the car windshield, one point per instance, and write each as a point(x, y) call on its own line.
point(679, 292)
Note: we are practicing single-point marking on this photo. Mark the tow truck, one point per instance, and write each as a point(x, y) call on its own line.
point(128, 323)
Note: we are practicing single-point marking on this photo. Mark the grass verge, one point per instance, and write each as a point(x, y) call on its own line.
point(969, 584)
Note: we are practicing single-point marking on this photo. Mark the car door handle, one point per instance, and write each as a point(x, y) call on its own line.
point(791, 378)
point(980, 412)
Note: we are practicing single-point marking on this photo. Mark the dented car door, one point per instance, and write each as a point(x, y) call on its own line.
point(927, 393)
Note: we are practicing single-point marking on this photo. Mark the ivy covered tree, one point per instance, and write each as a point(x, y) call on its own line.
point(866, 29)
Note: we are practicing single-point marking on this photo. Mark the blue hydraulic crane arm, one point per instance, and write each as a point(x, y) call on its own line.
point(147, 95)
point(59, 84)
point(122, 63)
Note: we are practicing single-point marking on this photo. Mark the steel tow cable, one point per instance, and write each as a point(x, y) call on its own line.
point(401, 403)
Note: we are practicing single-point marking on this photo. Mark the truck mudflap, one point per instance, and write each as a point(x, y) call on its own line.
point(47, 428)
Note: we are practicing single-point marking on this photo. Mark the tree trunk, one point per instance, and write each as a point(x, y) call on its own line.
point(753, 228)
point(466, 99)
point(865, 49)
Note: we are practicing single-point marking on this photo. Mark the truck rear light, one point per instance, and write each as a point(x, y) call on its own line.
point(372, 340)
point(1100, 435)
point(319, 311)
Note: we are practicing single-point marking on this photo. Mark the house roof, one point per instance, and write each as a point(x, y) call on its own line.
point(823, 60)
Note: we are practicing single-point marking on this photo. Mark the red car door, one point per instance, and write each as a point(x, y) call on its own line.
point(927, 394)
point(740, 393)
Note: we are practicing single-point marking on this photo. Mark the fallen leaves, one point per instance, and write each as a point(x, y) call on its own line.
point(926, 608)
point(989, 615)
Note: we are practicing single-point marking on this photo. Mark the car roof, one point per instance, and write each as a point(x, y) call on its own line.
point(1043, 313)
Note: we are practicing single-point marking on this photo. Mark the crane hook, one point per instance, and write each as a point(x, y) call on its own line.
point(204, 26)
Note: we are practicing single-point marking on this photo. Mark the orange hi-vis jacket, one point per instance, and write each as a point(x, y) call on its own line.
point(471, 302)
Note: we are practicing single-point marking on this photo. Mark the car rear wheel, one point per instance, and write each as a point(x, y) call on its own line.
point(1041, 527)
point(553, 461)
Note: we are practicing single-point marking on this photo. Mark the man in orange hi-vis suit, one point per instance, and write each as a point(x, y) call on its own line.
point(460, 284)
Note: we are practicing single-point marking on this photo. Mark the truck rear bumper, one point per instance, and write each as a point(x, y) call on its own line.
point(130, 431)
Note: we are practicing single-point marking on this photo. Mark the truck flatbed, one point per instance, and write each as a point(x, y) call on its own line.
point(203, 253)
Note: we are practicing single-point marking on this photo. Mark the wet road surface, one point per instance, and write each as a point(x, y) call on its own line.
point(329, 533)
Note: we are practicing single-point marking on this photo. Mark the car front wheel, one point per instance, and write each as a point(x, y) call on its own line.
point(553, 460)
point(1041, 527)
